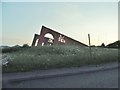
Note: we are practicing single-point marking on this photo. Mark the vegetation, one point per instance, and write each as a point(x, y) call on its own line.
point(114, 44)
point(102, 45)
point(15, 48)
point(47, 57)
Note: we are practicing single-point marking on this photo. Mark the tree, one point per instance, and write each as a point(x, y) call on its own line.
point(25, 46)
point(102, 45)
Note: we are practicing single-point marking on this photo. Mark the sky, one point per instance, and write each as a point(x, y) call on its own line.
point(21, 20)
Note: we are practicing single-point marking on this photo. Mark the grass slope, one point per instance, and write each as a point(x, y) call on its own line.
point(47, 57)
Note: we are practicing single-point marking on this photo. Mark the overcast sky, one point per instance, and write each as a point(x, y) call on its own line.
point(20, 21)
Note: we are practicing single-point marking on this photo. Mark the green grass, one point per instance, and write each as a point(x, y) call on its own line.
point(47, 57)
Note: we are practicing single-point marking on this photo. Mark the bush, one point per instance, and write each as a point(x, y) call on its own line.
point(102, 45)
point(25, 46)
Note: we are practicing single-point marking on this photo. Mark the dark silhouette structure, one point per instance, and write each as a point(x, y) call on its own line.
point(58, 38)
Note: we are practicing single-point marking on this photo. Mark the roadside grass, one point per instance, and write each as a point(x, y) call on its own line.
point(48, 57)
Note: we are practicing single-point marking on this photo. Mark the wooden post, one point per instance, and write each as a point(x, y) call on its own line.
point(89, 40)
point(89, 46)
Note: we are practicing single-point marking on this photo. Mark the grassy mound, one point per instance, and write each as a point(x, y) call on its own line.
point(47, 57)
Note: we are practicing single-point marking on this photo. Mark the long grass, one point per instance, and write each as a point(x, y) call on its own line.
point(47, 57)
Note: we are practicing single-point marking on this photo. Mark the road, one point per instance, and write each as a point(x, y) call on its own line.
point(99, 79)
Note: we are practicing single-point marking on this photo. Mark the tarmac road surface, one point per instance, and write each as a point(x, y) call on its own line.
point(98, 79)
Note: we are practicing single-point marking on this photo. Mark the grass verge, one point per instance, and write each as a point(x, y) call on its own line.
point(47, 57)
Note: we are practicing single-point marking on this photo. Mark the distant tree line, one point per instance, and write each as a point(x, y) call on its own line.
point(15, 48)
point(114, 45)
point(111, 45)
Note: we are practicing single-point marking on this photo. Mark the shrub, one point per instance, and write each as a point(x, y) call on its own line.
point(102, 45)
point(25, 46)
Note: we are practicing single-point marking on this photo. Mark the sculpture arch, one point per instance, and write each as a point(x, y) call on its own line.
point(57, 36)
